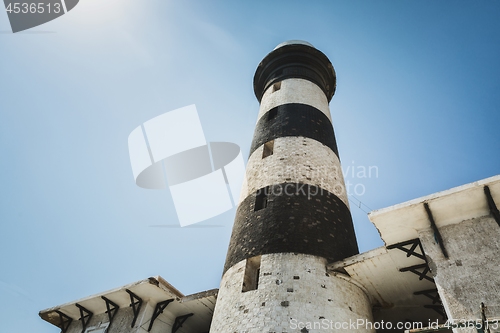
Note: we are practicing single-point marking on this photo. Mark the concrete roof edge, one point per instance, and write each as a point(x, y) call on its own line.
point(157, 281)
point(357, 258)
point(54, 308)
point(168, 286)
point(427, 198)
point(200, 295)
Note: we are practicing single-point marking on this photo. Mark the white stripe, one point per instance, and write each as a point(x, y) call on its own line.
point(295, 91)
point(295, 159)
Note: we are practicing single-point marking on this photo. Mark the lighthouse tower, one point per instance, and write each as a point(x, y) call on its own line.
point(293, 217)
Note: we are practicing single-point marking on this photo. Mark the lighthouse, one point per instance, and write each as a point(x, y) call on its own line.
point(293, 216)
point(293, 263)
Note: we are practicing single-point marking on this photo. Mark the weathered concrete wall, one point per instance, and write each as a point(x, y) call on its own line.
point(293, 290)
point(471, 274)
point(295, 159)
point(295, 91)
point(297, 120)
point(298, 218)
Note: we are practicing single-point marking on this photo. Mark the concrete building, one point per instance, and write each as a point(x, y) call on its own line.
point(293, 263)
point(150, 305)
point(439, 262)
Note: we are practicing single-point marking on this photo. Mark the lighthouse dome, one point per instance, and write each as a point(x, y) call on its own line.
point(292, 42)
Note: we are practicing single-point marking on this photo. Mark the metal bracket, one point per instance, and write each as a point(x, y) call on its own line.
point(491, 204)
point(437, 234)
point(179, 321)
point(437, 308)
point(135, 304)
point(65, 321)
point(112, 309)
point(421, 275)
point(158, 311)
point(85, 316)
point(430, 293)
point(422, 269)
point(411, 251)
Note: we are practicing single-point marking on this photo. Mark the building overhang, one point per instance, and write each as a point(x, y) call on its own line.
point(402, 222)
point(397, 277)
point(153, 290)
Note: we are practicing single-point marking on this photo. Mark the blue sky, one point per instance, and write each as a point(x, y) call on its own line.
point(417, 97)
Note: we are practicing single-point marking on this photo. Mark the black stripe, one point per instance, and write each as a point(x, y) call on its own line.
point(292, 218)
point(294, 119)
point(295, 61)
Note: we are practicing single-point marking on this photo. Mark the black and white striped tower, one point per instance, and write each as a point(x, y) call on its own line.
point(293, 216)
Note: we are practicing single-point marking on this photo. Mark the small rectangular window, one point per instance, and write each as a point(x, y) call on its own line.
point(268, 149)
point(251, 277)
point(261, 198)
point(276, 86)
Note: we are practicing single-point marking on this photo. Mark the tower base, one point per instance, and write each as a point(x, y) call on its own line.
point(291, 293)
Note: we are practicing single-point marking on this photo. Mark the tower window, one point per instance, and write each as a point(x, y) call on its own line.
point(251, 277)
point(276, 86)
point(261, 198)
point(268, 149)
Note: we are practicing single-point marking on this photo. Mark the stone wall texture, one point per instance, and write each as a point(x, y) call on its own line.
point(298, 218)
point(299, 120)
point(294, 291)
point(295, 159)
point(295, 91)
